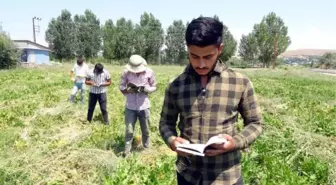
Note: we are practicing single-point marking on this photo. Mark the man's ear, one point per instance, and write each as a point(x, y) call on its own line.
point(220, 48)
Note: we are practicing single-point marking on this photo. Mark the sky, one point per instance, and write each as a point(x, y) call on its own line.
point(311, 23)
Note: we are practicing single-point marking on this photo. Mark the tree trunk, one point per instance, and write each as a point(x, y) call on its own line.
point(273, 63)
point(275, 49)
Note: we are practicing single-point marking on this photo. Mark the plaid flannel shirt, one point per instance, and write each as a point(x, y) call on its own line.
point(207, 112)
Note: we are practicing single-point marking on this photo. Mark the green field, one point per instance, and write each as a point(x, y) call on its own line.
point(42, 140)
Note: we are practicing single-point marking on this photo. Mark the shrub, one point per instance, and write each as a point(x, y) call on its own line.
point(8, 52)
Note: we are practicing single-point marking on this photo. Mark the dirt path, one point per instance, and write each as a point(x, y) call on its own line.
point(325, 71)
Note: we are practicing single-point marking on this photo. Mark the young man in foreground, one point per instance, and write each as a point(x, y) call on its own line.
point(136, 82)
point(207, 97)
point(98, 79)
point(78, 74)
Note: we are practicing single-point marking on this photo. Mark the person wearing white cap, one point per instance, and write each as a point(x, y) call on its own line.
point(136, 82)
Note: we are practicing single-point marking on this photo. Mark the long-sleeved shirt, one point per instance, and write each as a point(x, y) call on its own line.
point(209, 111)
point(138, 101)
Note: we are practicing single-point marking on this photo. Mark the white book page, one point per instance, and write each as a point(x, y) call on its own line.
point(216, 140)
point(197, 147)
point(190, 151)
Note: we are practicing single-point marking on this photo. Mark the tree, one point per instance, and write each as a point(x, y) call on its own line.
point(248, 47)
point(109, 40)
point(149, 37)
point(8, 52)
point(119, 39)
point(175, 42)
point(88, 34)
point(61, 36)
point(272, 39)
point(230, 44)
point(124, 39)
point(328, 60)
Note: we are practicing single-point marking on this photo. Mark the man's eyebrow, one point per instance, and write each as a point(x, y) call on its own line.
point(203, 56)
point(194, 54)
point(208, 55)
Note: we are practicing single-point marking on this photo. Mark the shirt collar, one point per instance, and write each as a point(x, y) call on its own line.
point(220, 66)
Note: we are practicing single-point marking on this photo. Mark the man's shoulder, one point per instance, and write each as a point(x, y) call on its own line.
point(235, 75)
point(177, 80)
point(106, 71)
point(85, 65)
point(90, 72)
point(149, 71)
point(125, 71)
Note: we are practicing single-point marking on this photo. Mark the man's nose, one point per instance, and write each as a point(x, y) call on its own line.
point(201, 63)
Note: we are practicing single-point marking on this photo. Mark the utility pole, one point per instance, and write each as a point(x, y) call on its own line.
point(36, 28)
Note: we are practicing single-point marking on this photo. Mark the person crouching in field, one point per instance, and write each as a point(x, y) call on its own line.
point(136, 82)
point(78, 74)
point(208, 98)
point(98, 79)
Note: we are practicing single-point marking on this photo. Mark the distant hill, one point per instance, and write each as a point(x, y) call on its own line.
point(306, 52)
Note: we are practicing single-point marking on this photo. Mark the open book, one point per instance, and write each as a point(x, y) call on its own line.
point(199, 149)
point(98, 85)
point(134, 88)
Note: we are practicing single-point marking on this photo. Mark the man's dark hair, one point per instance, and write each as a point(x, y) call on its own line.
point(204, 31)
point(99, 68)
point(80, 58)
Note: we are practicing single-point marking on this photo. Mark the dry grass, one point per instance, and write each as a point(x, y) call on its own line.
point(76, 166)
point(52, 156)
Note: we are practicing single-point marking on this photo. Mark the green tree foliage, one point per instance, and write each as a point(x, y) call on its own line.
point(124, 39)
point(327, 61)
point(108, 38)
point(118, 39)
point(61, 36)
point(175, 42)
point(272, 39)
point(8, 52)
point(149, 37)
point(230, 44)
point(248, 47)
point(88, 34)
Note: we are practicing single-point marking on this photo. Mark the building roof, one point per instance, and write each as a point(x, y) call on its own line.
point(27, 44)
